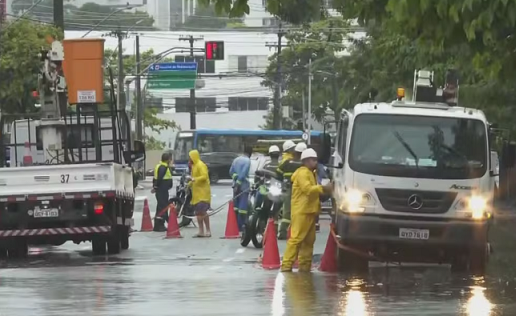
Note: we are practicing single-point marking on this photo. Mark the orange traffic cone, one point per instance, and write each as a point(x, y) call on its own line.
point(173, 227)
point(232, 231)
point(146, 218)
point(329, 258)
point(271, 257)
point(27, 156)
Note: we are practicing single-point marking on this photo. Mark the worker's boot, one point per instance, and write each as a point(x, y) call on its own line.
point(159, 225)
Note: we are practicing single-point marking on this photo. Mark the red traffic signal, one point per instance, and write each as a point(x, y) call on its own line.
point(214, 50)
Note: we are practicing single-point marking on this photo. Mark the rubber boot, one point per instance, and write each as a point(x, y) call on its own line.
point(159, 225)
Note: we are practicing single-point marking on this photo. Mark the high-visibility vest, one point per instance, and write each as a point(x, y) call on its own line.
point(168, 174)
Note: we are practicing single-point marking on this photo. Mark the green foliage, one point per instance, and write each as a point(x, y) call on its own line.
point(150, 118)
point(20, 44)
point(86, 16)
point(206, 17)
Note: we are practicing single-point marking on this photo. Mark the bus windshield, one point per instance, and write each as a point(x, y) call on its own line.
point(184, 143)
point(418, 147)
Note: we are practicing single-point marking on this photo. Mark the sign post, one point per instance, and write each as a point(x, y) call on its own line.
point(172, 76)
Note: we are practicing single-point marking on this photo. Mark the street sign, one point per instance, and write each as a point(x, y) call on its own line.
point(172, 76)
point(214, 50)
point(305, 136)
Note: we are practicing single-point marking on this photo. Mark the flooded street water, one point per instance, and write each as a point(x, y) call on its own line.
point(192, 276)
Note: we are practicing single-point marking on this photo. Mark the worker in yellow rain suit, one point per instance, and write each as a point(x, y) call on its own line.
point(201, 193)
point(306, 206)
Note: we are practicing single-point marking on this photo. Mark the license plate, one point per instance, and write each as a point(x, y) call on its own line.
point(410, 233)
point(46, 213)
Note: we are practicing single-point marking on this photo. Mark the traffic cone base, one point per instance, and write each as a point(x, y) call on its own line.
point(271, 257)
point(146, 218)
point(173, 227)
point(329, 258)
point(232, 231)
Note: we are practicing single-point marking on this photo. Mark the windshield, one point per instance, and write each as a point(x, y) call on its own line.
point(183, 145)
point(445, 148)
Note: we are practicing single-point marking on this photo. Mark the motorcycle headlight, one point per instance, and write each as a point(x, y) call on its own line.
point(355, 201)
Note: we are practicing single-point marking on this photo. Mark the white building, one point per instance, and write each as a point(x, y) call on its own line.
point(236, 99)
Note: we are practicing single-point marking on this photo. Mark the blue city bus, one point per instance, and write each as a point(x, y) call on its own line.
point(221, 146)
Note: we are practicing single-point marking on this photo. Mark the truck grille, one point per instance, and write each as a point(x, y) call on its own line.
point(413, 201)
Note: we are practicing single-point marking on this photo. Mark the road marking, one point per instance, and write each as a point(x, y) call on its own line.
point(228, 259)
point(241, 250)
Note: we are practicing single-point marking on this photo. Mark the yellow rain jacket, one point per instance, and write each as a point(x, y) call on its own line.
point(201, 191)
point(305, 192)
point(305, 205)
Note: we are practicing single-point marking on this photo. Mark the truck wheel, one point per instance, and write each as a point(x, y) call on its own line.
point(478, 259)
point(124, 237)
point(113, 243)
point(98, 246)
point(351, 262)
point(19, 249)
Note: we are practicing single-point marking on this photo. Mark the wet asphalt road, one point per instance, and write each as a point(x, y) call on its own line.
point(214, 276)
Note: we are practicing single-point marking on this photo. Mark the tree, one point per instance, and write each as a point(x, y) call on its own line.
point(91, 14)
point(320, 42)
point(291, 11)
point(206, 17)
point(20, 64)
point(150, 119)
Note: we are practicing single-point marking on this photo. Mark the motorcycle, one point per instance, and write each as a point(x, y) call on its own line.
point(182, 201)
point(270, 189)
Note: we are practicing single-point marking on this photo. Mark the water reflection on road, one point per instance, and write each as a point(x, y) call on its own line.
point(393, 291)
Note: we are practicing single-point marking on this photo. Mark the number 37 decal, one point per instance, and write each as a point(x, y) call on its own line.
point(65, 178)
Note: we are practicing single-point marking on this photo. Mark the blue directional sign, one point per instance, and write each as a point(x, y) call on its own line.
point(192, 66)
point(172, 76)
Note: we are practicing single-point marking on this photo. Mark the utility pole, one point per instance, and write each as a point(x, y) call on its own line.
point(276, 114)
point(139, 107)
point(58, 15)
point(193, 103)
point(309, 120)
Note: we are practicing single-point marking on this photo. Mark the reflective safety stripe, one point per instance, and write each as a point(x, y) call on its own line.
point(168, 174)
point(285, 221)
point(288, 174)
point(242, 212)
point(239, 182)
point(233, 176)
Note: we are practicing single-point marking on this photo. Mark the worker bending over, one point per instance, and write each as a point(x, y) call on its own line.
point(285, 171)
point(305, 208)
point(239, 172)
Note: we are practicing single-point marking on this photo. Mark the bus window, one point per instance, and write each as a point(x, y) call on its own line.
point(220, 143)
point(184, 143)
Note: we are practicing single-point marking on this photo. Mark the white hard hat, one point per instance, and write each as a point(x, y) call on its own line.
point(288, 145)
point(309, 153)
point(300, 147)
point(274, 149)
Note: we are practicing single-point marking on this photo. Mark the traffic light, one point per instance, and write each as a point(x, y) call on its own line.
point(214, 50)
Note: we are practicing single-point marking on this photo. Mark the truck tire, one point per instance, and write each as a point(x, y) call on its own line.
point(19, 249)
point(124, 237)
point(351, 262)
point(113, 242)
point(98, 246)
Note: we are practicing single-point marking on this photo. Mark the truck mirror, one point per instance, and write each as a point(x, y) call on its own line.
point(137, 154)
point(325, 149)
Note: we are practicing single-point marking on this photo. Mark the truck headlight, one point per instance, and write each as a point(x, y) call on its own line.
point(355, 200)
point(477, 205)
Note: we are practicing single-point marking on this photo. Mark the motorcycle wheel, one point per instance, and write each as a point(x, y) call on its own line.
point(258, 225)
point(245, 239)
point(182, 220)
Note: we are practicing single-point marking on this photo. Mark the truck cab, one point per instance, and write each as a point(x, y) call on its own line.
point(414, 182)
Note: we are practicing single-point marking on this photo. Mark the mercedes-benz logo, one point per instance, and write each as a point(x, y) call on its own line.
point(415, 202)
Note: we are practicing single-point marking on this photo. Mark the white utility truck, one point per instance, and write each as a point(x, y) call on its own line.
point(414, 180)
point(70, 176)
